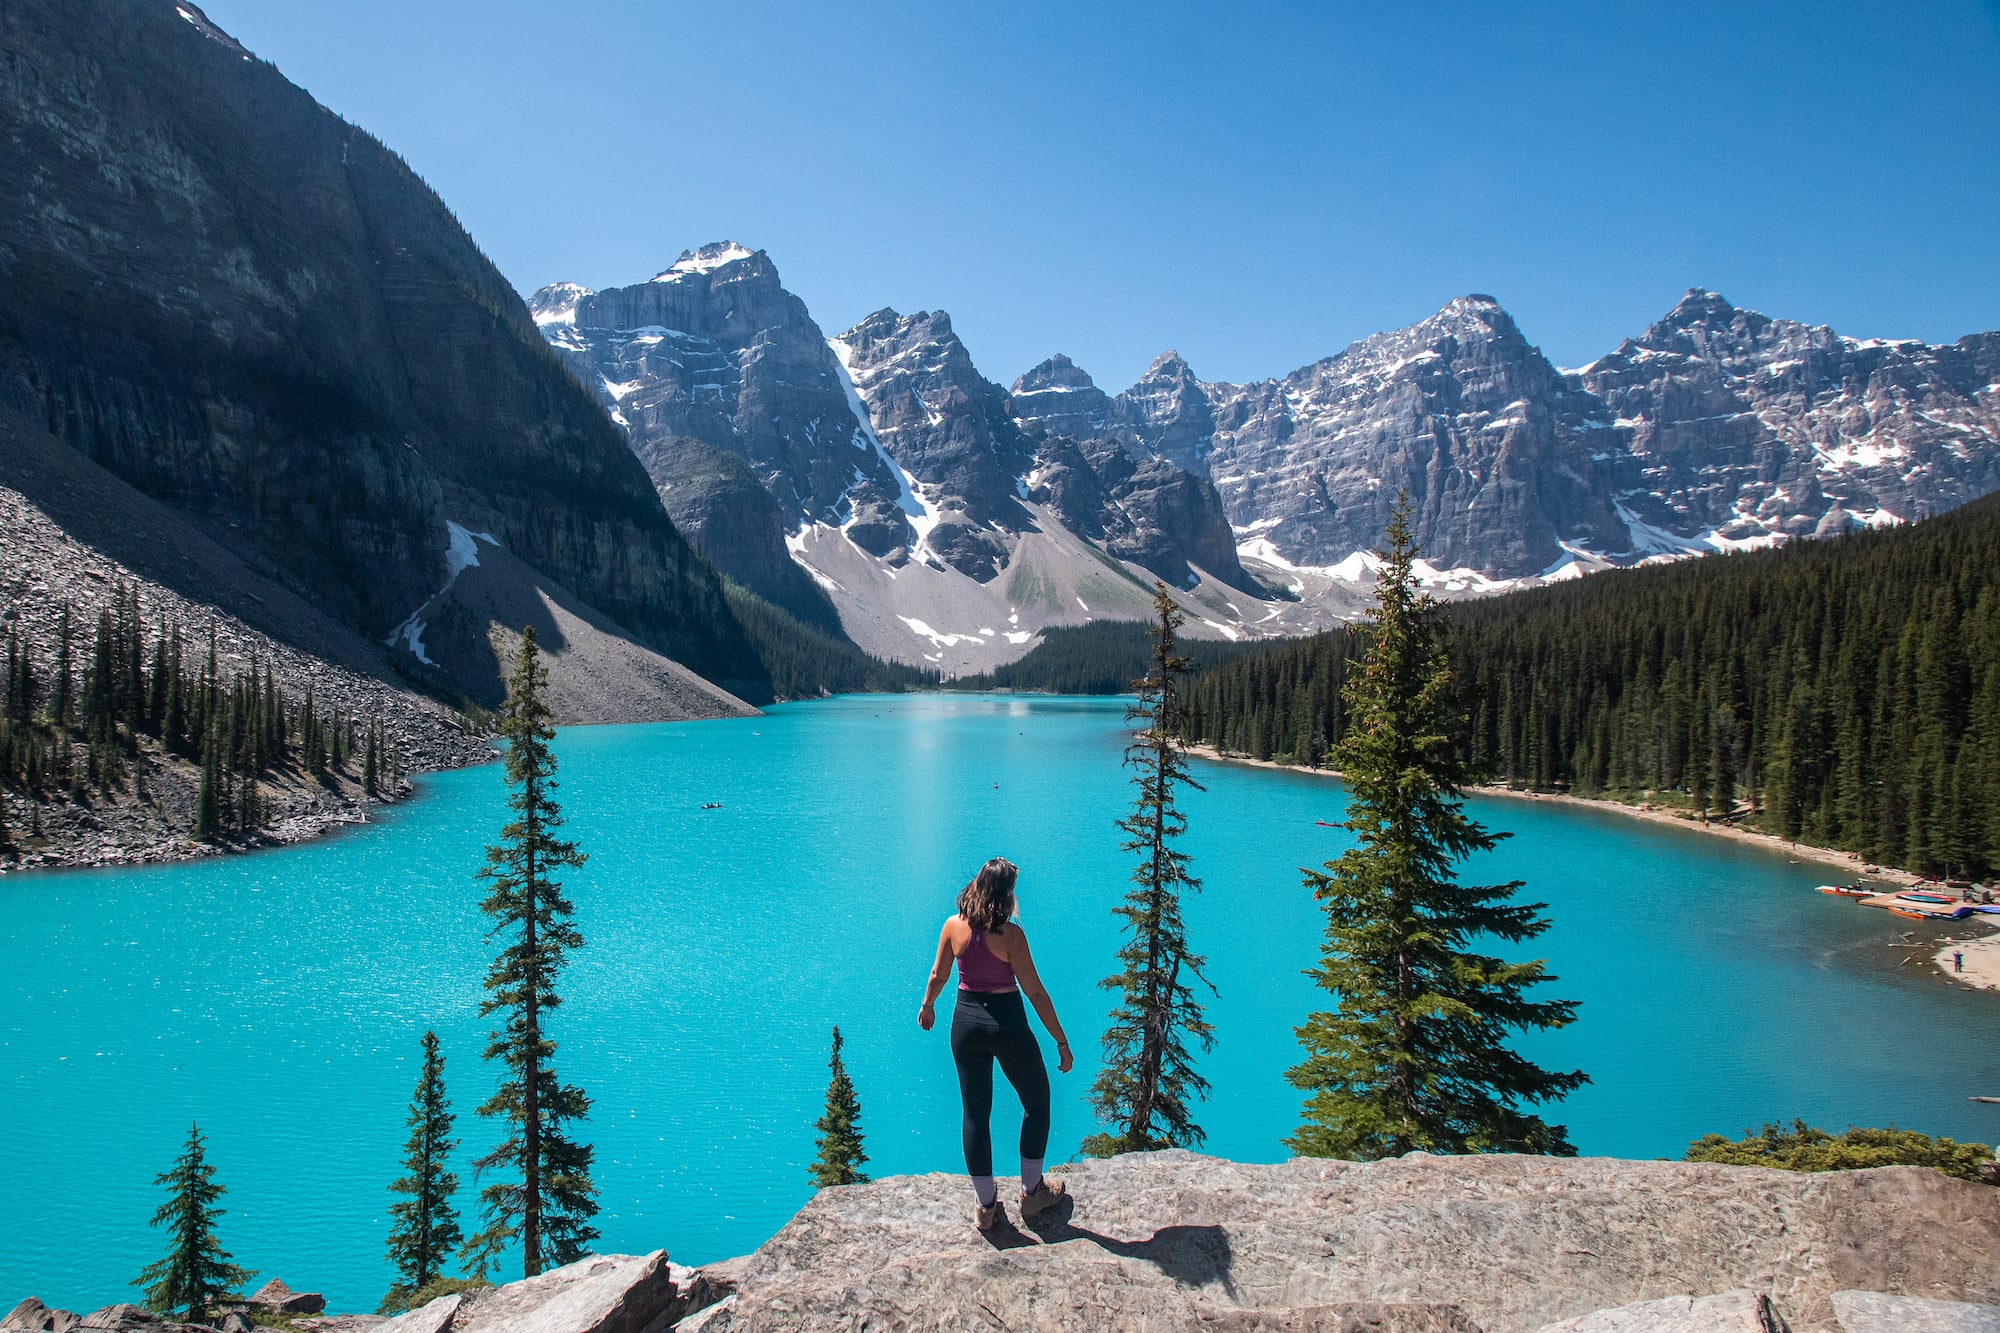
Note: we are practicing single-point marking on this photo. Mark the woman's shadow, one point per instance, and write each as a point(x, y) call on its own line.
point(1192, 1256)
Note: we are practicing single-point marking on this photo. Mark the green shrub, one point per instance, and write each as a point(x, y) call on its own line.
point(402, 1298)
point(1803, 1148)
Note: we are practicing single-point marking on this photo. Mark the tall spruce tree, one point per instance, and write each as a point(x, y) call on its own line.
point(838, 1146)
point(424, 1230)
point(209, 799)
point(546, 1198)
point(62, 703)
point(196, 1275)
point(1148, 1083)
point(1414, 1056)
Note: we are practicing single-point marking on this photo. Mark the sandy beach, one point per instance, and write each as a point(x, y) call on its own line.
point(1849, 862)
point(1981, 960)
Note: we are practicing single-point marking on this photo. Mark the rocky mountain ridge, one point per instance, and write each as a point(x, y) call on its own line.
point(875, 482)
point(1261, 503)
point(1717, 429)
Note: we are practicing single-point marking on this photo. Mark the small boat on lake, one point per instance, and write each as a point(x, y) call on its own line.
point(1847, 890)
point(1925, 897)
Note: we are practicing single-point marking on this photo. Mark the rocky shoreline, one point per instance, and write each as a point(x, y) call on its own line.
point(1850, 862)
point(150, 822)
point(150, 817)
point(1982, 954)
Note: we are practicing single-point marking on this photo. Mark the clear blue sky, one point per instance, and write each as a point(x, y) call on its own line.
point(1113, 180)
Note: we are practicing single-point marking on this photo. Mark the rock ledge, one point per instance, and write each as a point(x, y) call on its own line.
point(1178, 1243)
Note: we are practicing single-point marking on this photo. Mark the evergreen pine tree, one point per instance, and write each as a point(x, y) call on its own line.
point(62, 704)
point(1148, 1082)
point(1413, 1057)
point(209, 801)
point(425, 1227)
point(22, 695)
point(100, 683)
point(196, 1275)
point(159, 683)
point(839, 1143)
point(548, 1198)
point(371, 759)
point(249, 810)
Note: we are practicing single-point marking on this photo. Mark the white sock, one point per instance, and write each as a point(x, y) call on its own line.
point(984, 1190)
point(1031, 1174)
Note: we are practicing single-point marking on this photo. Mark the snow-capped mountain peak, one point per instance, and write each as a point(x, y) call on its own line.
point(705, 259)
point(556, 303)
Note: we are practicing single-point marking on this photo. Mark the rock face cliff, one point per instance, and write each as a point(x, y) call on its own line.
point(1099, 474)
point(876, 483)
point(949, 426)
point(731, 398)
point(1174, 1241)
point(257, 314)
point(1717, 428)
point(1491, 441)
point(1733, 424)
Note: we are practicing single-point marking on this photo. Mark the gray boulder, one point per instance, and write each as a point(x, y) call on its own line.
point(1174, 1241)
point(278, 1298)
point(1873, 1312)
point(611, 1293)
point(1737, 1311)
point(31, 1316)
point(433, 1317)
point(127, 1318)
point(1347, 1317)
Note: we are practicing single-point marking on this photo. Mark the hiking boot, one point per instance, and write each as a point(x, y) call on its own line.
point(988, 1216)
point(1045, 1196)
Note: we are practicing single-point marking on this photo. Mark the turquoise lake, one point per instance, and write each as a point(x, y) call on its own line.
point(278, 998)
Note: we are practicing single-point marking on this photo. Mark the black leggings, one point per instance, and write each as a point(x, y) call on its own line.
point(989, 1026)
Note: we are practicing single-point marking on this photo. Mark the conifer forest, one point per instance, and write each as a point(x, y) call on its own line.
point(1843, 693)
point(72, 727)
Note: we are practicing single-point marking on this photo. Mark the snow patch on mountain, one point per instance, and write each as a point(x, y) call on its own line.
point(556, 304)
point(461, 553)
point(922, 514)
point(706, 259)
point(1656, 541)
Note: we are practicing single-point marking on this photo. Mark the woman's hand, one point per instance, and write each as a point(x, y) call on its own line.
point(1063, 1061)
point(926, 1016)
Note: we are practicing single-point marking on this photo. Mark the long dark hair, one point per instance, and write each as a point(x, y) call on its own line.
point(988, 900)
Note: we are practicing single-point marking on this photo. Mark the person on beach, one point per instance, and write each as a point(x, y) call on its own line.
point(1957, 961)
point(990, 1023)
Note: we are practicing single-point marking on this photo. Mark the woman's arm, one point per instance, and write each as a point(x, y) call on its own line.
point(940, 973)
point(1038, 995)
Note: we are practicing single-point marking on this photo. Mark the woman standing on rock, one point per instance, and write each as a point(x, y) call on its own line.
point(990, 1023)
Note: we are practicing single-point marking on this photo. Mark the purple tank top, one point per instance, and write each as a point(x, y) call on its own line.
point(979, 970)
